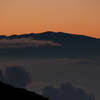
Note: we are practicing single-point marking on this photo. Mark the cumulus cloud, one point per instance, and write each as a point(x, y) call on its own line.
point(17, 77)
point(67, 91)
point(25, 42)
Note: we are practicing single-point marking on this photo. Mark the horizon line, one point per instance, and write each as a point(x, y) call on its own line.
point(18, 34)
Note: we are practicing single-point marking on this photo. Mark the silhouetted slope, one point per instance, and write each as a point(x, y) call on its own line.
point(10, 91)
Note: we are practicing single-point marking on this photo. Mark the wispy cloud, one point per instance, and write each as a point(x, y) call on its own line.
point(25, 42)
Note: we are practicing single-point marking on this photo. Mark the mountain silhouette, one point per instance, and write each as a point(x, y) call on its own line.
point(48, 35)
point(71, 46)
point(12, 92)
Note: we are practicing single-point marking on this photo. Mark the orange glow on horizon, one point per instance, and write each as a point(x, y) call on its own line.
point(36, 16)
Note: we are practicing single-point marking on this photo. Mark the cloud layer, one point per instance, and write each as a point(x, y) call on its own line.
point(25, 42)
point(67, 91)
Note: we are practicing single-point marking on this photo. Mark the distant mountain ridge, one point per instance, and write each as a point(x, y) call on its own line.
point(70, 46)
point(48, 33)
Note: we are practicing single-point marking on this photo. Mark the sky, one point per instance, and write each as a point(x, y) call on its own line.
point(70, 16)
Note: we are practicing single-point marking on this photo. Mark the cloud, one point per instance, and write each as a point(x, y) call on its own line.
point(67, 91)
point(25, 42)
point(17, 77)
point(77, 60)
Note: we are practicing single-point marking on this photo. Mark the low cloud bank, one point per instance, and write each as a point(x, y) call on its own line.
point(67, 91)
point(25, 42)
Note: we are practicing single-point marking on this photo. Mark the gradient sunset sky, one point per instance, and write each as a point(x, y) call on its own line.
point(71, 16)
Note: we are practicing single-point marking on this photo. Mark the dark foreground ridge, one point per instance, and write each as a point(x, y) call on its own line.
point(10, 91)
